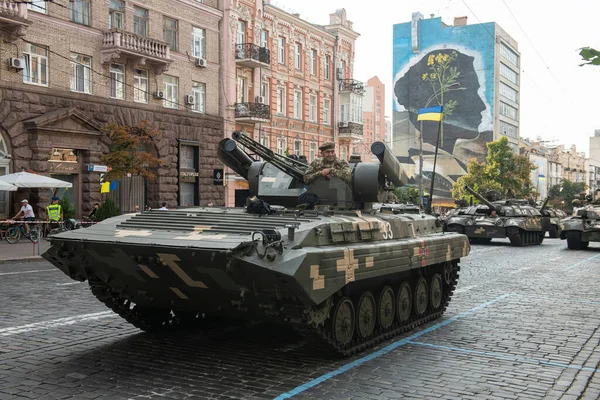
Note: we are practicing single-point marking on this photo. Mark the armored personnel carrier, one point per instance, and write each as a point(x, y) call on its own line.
point(341, 271)
point(551, 219)
point(583, 226)
point(514, 219)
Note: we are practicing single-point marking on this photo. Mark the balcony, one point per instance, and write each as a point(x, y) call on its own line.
point(142, 51)
point(252, 56)
point(352, 85)
point(252, 112)
point(350, 130)
point(13, 19)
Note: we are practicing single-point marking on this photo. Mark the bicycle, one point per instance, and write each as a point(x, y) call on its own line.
point(15, 232)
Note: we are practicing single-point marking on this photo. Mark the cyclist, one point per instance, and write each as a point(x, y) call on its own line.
point(54, 213)
point(27, 212)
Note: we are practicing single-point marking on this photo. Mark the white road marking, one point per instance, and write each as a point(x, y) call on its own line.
point(28, 272)
point(56, 323)
point(68, 283)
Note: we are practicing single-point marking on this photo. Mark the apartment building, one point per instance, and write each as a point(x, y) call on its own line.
point(288, 83)
point(69, 67)
point(373, 114)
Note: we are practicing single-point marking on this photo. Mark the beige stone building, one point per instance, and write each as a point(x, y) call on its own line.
point(70, 67)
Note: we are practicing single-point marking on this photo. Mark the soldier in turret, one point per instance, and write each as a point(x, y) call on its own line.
point(328, 166)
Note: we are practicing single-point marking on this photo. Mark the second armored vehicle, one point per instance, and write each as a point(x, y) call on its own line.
point(584, 226)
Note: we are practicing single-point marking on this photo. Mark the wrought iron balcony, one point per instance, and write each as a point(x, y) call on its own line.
point(352, 85)
point(13, 19)
point(141, 50)
point(252, 56)
point(350, 130)
point(252, 112)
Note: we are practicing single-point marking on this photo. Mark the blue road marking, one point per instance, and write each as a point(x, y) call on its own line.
point(383, 351)
point(506, 357)
point(583, 262)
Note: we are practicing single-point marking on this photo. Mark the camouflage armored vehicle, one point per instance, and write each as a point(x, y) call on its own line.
point(551, 219)
point(515, 219)
point(341, 271)
point(584, 226)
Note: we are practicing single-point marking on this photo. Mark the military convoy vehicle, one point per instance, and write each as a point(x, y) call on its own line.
point(343, 272)
point(583, 226)
point(551, 219)
point(514, 219)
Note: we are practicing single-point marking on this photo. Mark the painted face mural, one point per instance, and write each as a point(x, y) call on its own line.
point(450, 78)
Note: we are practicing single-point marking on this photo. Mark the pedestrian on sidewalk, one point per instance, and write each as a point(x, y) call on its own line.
point(27, 212)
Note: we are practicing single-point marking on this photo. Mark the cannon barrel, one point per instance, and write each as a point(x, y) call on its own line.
point(390, 166)
point(544, 204)
point(480, 198)
point(234, 157)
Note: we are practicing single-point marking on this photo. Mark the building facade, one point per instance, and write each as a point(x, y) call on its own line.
point(470, 70)
point(373, 115)
point(71, 67)
point(288, 83)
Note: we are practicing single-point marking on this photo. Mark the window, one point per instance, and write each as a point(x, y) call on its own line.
point(36, 64)
point(241, 89)
point(298, 58)
point(509, 74)
point(508, 92)
point(81, 76)
point(281, 50)
point(312, 110)
point(312, 152)
point(264, 92)
point(170, 84)
point(343, 153)
point(508, 111)
point(37, 5)
point(263, 39)
point(328, 67)
point(116, 17)
point(509, 54)
point(241, 32)
point(198, 42)
point(140, 86)
point(170, 32)
point(281, 100)
point(281, 146)
point(297, 104)
point(140, 21)
point(326, 111)
point(298, 147)
point(313, 62)
point(199, 93)
point(117, 81)
point(509, 130)
point(79, 11)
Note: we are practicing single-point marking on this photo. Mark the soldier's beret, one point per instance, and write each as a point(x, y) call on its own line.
point(327, 146)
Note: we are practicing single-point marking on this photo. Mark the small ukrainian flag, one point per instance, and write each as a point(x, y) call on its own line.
point(430, 114)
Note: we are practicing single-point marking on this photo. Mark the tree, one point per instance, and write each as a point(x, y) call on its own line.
point(128, 153)
point(590, 56)
point(503, 170)
point(562, 195)
point(408, 194)
point(107, 209)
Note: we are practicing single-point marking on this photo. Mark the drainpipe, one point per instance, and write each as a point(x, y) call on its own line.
point(334, 114)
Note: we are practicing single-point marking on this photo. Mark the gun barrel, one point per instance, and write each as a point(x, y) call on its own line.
point(234, 157)
point(545, 203)
point(480, 198)
point(390, 165)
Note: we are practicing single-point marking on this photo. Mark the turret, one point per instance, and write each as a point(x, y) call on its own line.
point(481, 198)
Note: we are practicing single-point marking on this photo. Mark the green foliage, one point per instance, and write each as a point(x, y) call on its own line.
point(591, 56)
point(562, 195)
point(107, 209)
point(68, 208)
point(408, 194)
point(503, 170)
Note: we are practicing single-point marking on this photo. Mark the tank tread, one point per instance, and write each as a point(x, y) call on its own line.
point(525, 238)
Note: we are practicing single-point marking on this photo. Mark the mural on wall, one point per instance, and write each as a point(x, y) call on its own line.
point(451, 71)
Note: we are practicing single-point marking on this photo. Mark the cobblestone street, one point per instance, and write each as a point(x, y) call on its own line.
point(522, 324)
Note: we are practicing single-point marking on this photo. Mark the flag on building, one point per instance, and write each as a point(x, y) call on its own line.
point(430, 114)
point(113, 186)
point(105, 187)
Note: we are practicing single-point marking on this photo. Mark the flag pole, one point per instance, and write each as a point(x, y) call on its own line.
point(437, 144)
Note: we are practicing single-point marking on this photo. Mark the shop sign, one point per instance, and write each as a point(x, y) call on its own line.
point(97, 168)
point(218, 177)
point(63, 167)
point(188, 176)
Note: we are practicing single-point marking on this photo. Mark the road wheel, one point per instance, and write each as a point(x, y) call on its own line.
point(366, 315)
point(13, 234)
point(448, 272)
point(436, 291)
point(386, 308)
point(342, 323)
point(404, 302)
point(421, 297)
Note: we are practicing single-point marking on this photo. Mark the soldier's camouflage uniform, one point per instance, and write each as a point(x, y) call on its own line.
point(339, 168)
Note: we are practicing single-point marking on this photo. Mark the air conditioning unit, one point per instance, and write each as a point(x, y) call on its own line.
point(159, 95)
point(342, 124)
point(189, 99)
point(201, 62)
point(260, 99)
point(17, 63)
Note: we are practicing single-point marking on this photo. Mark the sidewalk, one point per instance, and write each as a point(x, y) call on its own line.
point(24, 251)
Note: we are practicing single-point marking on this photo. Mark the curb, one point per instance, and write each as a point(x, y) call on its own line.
point(21, 260)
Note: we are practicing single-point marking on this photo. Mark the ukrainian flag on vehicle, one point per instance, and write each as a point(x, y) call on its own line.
point(430, 114)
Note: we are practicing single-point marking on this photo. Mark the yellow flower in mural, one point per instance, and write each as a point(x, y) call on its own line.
point(430, 60)
point(439, 58)
point(433, 76)
point(446, 57)
point(425, 76)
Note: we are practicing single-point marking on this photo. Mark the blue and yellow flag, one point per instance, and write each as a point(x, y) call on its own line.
point(430, 114)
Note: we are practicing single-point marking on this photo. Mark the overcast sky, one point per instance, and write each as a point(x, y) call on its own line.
point(560, 101)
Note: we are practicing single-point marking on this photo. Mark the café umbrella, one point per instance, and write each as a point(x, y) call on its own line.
point(28, 180)
point(7, 187)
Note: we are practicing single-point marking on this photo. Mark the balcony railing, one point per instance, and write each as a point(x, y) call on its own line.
point(252, 112)
point(13, 15)
point(252, 56)
point(351, 130)
point(141, 50)
point(352, 85)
